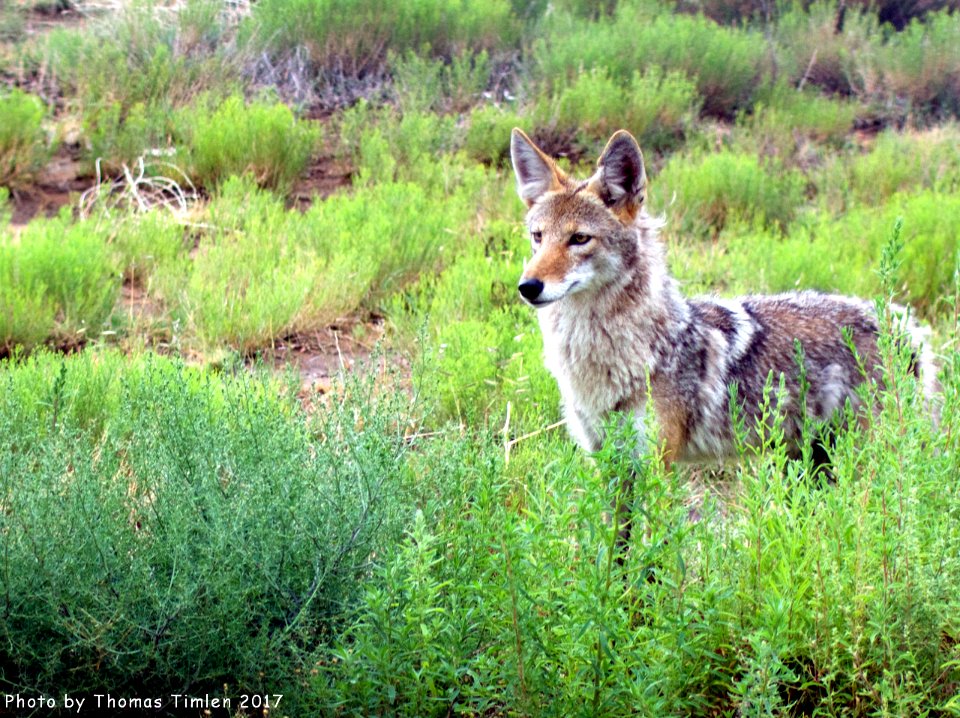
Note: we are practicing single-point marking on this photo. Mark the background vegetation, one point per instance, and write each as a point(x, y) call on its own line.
point(190, 189)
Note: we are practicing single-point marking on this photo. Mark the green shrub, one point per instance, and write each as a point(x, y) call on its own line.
point(117, 137)
point(921, 64)
point(810, 51)
point(261, 272)
point(353, 35)
point(387, 146)
point(168, 530)
point(655, 107)
point(715, 189)
point(782, 126)
point(145, 54)
point(488, 133)
point(725, 64)
point(262, 139)
point(427, 84)
point(248, 278)
point(146, 243)
point(842, 254)
point(784, 593)
point(57, 284)
point(23, 142)
point(485, 347)
point(896, 162)
point(376, 241)
point(146, 60)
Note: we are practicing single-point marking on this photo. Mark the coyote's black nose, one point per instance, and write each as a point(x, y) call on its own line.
point(530, 289)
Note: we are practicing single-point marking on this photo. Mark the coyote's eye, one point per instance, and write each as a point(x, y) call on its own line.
point(578, 238)
point(537, 237)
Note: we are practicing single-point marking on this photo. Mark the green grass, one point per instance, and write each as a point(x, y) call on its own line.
point(790, 123)
point(713, 190)
point(896, 162)
point(24, 146)
point(125, 73)
point(841, 254)
point(809, 49)
point(725, 64)
point(656, 107)
point(262, 138)
point(169, 530)
point(57, 283)
point(921, 65)
point(355, 34)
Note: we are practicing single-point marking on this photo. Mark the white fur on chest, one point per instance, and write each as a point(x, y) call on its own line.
point(598, 369)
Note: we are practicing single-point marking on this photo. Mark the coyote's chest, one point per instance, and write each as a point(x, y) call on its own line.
point(599, 369)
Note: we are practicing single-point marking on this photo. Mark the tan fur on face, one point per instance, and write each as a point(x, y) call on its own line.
point(550, 264)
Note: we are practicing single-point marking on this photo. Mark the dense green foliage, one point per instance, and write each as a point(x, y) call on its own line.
point(185, 530)
point(427, 541)
point(23, 142)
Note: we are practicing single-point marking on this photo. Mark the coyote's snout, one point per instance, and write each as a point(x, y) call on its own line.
point(613, 319)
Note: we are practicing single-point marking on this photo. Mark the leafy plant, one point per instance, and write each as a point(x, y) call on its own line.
point(261, 138)
point(57, 284)
point(713, 190)
point(24, 147)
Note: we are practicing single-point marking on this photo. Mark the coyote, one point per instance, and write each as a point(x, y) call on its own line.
point(613, 319)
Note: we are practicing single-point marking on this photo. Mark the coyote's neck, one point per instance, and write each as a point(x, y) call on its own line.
point(601, 346)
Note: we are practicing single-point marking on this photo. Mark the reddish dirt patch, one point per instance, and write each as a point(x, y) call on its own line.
point(58, 185)
point(324, 176)
point(322, 355)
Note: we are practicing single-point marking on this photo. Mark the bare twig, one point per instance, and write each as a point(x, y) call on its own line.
point(140, 189)
point(806, 75)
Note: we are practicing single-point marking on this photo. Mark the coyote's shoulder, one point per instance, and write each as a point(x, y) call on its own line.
point(620, 337)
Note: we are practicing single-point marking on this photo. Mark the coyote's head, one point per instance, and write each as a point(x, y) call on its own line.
point(583, 233)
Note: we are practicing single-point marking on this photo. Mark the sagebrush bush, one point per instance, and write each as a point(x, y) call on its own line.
point(656, 107)
point(488, 134)
point(385, 145)
point(710, 191)
point(262, 272)
point(811, 51)
point(353, 35)
point(921, 64)
point(725, 64)
point(789, 120)
point(143, 243)
point(24, 147)
point(431, 84)
point(895, 162)
point(57, 283)
point(119, 137)
point(842, 254)
point(144, 55)
point(171, 530)
point(260, 138)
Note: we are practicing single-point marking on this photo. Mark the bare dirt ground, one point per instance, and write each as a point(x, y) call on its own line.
point(320, 356)
point(58, 185)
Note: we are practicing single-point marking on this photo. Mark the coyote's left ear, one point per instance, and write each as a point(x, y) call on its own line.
point(536, 173)
point(621, 181)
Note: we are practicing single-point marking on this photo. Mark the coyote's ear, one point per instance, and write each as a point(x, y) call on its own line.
point(536, 173)
point(620, 181)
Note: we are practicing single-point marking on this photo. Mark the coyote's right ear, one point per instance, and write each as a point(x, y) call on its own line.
point(536, 173)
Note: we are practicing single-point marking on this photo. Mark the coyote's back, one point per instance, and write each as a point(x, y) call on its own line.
point(613, 319)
